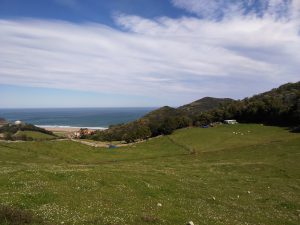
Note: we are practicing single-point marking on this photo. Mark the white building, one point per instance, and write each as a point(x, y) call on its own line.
point(230, 121)
point(18, 122)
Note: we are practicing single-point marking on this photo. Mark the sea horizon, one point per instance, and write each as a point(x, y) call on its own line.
point(75, 117)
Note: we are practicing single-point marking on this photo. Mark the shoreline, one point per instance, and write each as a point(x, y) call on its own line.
point(68, 128)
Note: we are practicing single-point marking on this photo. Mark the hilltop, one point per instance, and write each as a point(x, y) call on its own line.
point(203, 105)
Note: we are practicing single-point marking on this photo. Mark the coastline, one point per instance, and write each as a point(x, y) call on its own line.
point(68, 128)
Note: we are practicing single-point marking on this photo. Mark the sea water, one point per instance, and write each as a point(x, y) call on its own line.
point(96, 118)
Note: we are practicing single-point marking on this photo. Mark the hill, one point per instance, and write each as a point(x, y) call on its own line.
point(160, 121)
point(203, 105)
point(33, 135)
point(238, 174)
point(25, 132)
point(280, 106)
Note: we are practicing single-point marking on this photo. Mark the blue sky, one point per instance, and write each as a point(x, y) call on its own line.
point(99, 53)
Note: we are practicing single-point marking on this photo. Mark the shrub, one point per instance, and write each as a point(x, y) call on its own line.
point(13, 216)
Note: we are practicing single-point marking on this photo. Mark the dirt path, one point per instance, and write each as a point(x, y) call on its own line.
point(93, 144)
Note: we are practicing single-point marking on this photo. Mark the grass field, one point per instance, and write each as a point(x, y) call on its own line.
point(35, 135)
point(237, 174)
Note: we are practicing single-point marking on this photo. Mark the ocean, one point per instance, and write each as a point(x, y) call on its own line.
point(96, 118)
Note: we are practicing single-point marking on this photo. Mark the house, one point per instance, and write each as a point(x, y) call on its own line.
point(18, 122)
point(77, 135)
point(83, 132)
point(230, 122)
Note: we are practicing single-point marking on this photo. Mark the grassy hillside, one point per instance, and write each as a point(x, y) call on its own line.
point(280, 106)
point(34, 135)
point(24, 132)
point(232, 176)
point(203, 105)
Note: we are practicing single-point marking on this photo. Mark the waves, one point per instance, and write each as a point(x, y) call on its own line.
point(68, 118)
point(71, 127)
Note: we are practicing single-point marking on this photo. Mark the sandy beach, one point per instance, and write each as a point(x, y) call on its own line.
point(62, 129)
point(67, 129)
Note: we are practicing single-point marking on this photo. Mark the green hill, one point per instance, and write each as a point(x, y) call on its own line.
point(230, 174)
point(33, 135)
point(280, 106)
point(24, 132)
point(160, 121)
point(161, 114)
point(203, 105)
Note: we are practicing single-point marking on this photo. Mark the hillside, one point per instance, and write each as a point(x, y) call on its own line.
point(160, 121)
point(280, 106)
point(2, 121)
point(203, 105)
point(161, 114)
point(239, 174)
point(25, 132)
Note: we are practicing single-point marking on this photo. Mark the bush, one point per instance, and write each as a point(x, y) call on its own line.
point(13, 216)
point(296, 129)
point(8, 136)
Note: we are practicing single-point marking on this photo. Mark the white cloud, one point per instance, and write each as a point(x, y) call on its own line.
point(172, 59)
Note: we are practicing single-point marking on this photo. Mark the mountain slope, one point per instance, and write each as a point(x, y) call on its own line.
point(280, 106)
point(203, 104)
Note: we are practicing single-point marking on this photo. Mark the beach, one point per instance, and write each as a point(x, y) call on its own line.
point(69, 128)
point(62, 129)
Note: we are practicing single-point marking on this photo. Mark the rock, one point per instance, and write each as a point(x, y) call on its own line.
point(190, 223)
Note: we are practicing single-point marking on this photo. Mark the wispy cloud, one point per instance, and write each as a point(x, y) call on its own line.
point(220, 9)
point(176, 59)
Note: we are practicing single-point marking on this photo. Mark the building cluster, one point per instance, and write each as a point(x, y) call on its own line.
point(83, 132)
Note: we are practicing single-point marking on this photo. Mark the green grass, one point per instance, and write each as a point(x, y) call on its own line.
point(230, 179)
point(61, 134)
point(35, 135)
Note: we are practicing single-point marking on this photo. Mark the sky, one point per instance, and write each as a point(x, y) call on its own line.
point(144, 53)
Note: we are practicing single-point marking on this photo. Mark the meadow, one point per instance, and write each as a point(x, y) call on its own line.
point(34, 135)
point(231, 174)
